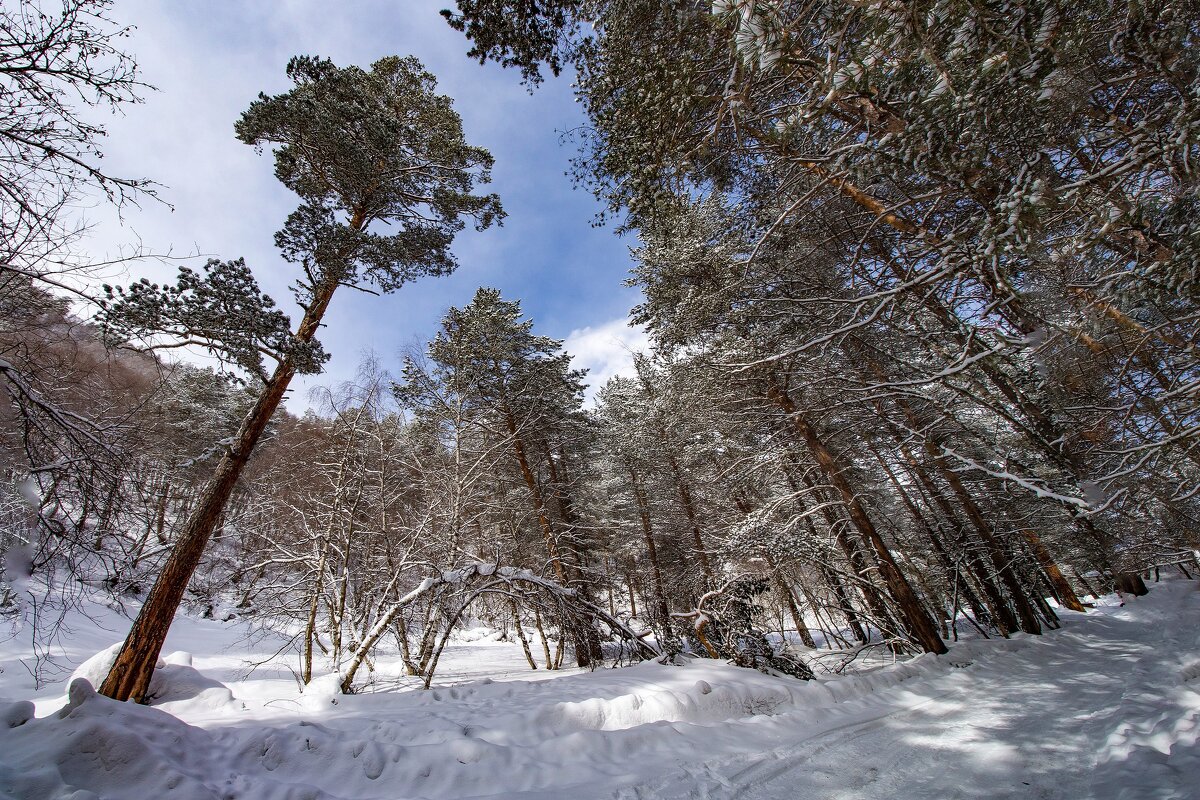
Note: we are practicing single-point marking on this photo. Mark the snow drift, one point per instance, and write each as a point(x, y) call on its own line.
point(1109, 707)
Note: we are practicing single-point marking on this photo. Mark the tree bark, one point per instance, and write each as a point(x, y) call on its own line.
point(537, 621)
point(854, 554)
point(689, 510)
point(584, 637)
point(785, 594)
point(1001, 615)
point(1001, 560)
point(310, 628)
point(948, 566)
point(827, 633)
point(660, 597)
point(1062, 589)
point(843, 600)
point(921, 627)
point(535, 494)
point(131, 672)
point(516, 612)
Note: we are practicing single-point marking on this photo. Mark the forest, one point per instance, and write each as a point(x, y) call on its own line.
point(922, 287)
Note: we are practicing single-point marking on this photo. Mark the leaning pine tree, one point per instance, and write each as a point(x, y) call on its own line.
point(362, 150)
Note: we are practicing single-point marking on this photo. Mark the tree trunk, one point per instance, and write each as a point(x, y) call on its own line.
point(516, 612)
point(949, 568)
point(844, 605)
point(1001, 560)
point(1131, 583)
point(660, 597)
point(785, 594)
point(1001, 615)
point(535, 495)
point(160, 515)
point(689, 510)
point(310, 628)
point(131, 672)
point(858, 563)
point(584, 636)
point(920, 627)
point(560, 645)
point(1062, 589)
point(402, 640)
point(843, 600)
point(1090, 589)
point(1026, 616)
point(110, 504)
point(537, 621)
point(829, 633)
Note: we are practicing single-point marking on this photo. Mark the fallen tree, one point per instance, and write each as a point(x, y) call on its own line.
point(723, 623)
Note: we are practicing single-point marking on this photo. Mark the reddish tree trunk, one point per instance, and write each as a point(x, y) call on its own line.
point(660, 596)
point(920, 627)
point(1062, 588)
point(131, 672)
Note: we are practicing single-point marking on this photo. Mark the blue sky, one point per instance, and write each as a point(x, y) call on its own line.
point(208, 61)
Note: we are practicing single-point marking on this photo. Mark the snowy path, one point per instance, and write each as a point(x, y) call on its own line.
point(1109, 707)
point(1103, 709)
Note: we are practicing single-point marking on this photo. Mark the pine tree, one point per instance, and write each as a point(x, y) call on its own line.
point(363, 150)
point(518, 390)
point(993, 199)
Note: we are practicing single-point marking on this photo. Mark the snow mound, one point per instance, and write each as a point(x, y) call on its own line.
point(478, 634)
point(179, 684)
point(96, 668)
point(14, 715)
point(175, 683)
point(322, 692)
point(96, 747)
point(697, 693)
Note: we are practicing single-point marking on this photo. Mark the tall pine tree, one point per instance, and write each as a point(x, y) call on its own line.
point(365, 151)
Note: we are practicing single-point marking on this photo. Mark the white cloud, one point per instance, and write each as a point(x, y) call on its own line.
point(605, 350)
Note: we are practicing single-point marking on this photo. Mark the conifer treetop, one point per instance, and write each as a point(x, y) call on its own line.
point(362, 147)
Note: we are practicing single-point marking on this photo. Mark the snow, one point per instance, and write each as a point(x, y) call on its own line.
point(16, 566)
point(1107, 707)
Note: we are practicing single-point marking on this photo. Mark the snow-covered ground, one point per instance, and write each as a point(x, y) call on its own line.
point(1108, 707)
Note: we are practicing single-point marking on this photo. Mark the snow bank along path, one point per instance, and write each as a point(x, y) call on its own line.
point(1109, 707)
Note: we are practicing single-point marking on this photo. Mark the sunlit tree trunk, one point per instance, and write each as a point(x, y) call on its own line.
point(920, 627)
